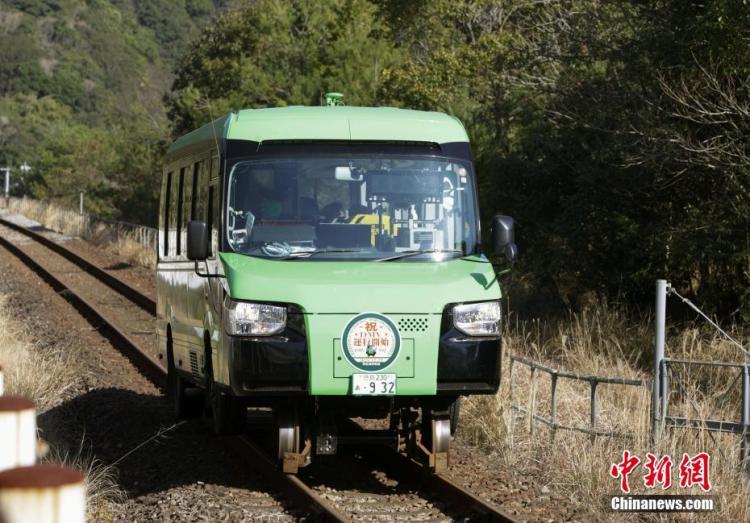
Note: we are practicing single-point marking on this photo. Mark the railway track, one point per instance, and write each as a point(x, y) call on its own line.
point(121, 311)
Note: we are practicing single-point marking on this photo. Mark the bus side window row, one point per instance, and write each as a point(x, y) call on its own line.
point(186, 196)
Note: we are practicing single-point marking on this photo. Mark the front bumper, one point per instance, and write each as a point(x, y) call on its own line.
point(279, 365)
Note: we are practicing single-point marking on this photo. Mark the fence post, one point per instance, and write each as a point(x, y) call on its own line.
point(553, 406)
point(532, 400)
point(660, 325)
point(745, 417)
point(664, 394)
point(594, 384)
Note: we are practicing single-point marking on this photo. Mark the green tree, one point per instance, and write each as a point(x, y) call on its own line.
point(269, 53)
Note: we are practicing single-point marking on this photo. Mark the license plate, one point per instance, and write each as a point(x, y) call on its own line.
point(373, 384)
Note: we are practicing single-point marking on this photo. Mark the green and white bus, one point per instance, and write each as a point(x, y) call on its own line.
point(326, 263)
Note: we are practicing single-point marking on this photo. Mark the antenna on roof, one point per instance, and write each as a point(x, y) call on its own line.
point(334, 99)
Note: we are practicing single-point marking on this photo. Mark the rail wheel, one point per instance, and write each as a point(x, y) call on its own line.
point(436, 438)
point(186, 400)
point(287, 433)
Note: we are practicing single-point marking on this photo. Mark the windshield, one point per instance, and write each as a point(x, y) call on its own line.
point(354, 208)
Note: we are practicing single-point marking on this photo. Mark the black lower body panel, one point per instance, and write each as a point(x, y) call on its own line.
point(468, 365)
point(272, 366)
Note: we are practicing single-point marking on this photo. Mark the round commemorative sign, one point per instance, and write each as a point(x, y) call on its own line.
point(371, 342)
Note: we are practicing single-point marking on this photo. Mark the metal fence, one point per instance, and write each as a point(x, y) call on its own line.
point(662, 420)
point(556, 374)
point(661, 388)
point(77, 222)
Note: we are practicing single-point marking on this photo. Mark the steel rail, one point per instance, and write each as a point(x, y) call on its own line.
point(134, 295)
point(458, 497)
point(402, 466)
point(146, 363)
point(296, 490)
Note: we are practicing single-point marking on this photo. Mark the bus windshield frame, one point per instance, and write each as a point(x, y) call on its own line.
point(336, 206)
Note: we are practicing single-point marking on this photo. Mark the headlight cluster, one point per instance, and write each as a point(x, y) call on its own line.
point(478, 319)
point(253, 319)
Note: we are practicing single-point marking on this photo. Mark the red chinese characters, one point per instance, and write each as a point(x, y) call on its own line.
point(658, 472)
point(623, 469)
point(695, 471)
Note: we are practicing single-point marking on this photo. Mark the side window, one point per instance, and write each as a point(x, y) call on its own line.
point(214, 205)
point(211, 222)
point(187, 197)
point(165, 201)
point(178, 204)
point(194, 201)
point(173, 213)
point(201, 199)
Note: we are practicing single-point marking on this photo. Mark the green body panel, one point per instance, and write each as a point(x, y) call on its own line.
point(331, 293)
point(326, 123)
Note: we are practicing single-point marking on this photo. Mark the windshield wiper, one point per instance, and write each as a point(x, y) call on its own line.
point(408, 254)
point(309, 254)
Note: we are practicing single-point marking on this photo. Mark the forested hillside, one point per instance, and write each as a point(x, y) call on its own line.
point(614, 132)
point(81, 90)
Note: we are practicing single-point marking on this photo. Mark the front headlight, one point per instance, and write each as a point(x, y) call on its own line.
point(478, 319)
point(253, 319)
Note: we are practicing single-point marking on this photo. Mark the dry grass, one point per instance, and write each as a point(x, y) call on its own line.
point(605, 341)
point(42, 376)
point(132, 252)
point(123, 244)
point(101, 480)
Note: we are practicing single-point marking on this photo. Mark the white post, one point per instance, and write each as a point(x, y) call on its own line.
point(44, 494)
point(17, 432)
point(660, 325)
point(7, 185)
point(80, 203)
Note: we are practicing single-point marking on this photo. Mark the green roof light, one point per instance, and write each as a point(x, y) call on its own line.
point(333, 99)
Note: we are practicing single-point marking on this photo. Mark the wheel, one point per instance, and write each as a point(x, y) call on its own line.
point(436, 431)
point(287, 437)
point(454, 412)
point(441, 434)
point(186, 400)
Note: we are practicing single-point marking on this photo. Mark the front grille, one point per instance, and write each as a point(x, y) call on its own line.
point(412, 324)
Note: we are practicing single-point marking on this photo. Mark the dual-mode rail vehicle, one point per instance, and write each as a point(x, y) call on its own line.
point(325, 263)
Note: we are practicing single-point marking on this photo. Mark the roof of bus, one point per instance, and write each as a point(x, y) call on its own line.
point(329, 123)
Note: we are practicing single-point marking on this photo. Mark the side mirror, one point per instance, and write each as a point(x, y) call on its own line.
point(197, 240)
point(503, 237)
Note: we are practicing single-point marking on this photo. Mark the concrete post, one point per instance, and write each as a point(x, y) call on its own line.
point(17, 432)
point(43, 494)
point(660, 326)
